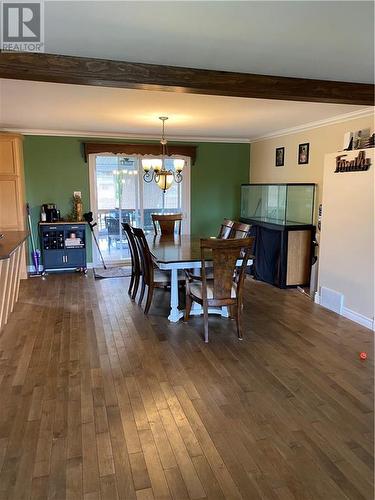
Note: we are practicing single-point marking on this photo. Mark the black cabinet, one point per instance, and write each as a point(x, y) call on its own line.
point(63, 246)
point(283, 252)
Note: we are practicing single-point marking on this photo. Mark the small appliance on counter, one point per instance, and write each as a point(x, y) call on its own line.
point(49, 213)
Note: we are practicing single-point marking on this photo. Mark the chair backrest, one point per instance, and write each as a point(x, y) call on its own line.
point(134, 254)
point(225, 229)
point(112, 225)
point(166, 223)
point(240, 230)
point(225, 254)
point(145, 255)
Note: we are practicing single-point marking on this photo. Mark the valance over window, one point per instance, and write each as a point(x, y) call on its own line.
point(138, 149)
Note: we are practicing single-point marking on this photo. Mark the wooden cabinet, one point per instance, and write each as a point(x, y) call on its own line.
point(283, 253)
point(299, 257)
point(59, 250)
point(12, 187)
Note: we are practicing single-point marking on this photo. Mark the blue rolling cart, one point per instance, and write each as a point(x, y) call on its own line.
point(63, 246)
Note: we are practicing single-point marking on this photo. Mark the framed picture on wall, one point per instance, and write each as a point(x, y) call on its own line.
point(303, 153)
point(279, 158)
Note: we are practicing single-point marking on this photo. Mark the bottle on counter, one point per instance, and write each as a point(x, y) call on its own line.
point(43, 215)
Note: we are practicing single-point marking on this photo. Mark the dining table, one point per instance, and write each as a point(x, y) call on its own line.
point(175, 253)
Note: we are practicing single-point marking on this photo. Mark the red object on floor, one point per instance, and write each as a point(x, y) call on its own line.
point(363, 355)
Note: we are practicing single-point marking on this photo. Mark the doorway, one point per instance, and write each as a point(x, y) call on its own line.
point(119, 194)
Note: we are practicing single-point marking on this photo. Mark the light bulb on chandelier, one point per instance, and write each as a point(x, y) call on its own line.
point(155, 168)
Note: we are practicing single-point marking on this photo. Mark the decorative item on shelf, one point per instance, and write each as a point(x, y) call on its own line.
point(43, 215)
point(360, 138)
point(348, 141)
point(77, 207)
point(358, 164)
point(303, 153)
point(155, 168)
point(370, 142)
point(280, 154)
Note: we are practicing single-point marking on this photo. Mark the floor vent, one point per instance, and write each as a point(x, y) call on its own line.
point(331, 300)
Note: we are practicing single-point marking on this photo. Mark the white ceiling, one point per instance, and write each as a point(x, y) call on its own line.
point(312, 39)
point(76, 109)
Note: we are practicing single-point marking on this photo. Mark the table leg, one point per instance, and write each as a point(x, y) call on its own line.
point(175, 313)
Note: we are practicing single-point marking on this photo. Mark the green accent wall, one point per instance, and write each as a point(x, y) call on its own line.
point(216, 178)
point(54, 168)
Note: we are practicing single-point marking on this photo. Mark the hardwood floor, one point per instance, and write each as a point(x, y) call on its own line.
point(98, 401)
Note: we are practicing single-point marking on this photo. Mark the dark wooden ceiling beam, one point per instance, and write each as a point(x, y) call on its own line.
point(107, 73)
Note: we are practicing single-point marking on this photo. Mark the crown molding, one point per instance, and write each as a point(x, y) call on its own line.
point(181, 138)
point(362, 113)
point(133, 137)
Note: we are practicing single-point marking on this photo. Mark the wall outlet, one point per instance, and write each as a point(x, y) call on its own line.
point(77, 193)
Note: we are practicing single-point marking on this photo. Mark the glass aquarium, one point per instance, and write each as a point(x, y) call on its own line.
point(285, 204)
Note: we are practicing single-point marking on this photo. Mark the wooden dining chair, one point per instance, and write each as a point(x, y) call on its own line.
point(225, 229)
point(152, 277)
point(222, 290)
point(240, 230)
point(167, 223)
point(135, 260)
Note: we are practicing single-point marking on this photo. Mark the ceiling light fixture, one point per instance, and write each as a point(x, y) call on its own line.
point(155, 169)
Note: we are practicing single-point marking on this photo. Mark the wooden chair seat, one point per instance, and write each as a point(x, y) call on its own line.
point(225, 289)
point(196, 290)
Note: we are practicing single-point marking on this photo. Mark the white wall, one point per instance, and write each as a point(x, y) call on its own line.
point(323, 140)
point(347, 254)
point(346, 257)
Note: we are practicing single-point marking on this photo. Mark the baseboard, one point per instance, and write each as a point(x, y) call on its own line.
point(352, 315)
point(359, 318)
point(31, 269)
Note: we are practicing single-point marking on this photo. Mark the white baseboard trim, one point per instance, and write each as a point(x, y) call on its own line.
point(31, 269)
point(352, 315)
point(359, 318)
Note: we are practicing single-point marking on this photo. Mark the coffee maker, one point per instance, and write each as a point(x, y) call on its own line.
point(52, 214)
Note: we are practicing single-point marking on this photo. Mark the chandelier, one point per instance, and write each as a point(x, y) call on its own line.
point(155, 169)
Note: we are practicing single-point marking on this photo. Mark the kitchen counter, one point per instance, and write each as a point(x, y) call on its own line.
point(12, 265)
point(10, 242)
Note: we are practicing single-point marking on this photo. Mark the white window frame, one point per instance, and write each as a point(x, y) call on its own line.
point(185, 194)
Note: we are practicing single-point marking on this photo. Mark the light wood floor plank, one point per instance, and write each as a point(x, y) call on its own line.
point(100, 402)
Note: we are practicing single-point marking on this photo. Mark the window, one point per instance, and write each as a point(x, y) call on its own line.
point(119, 194)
